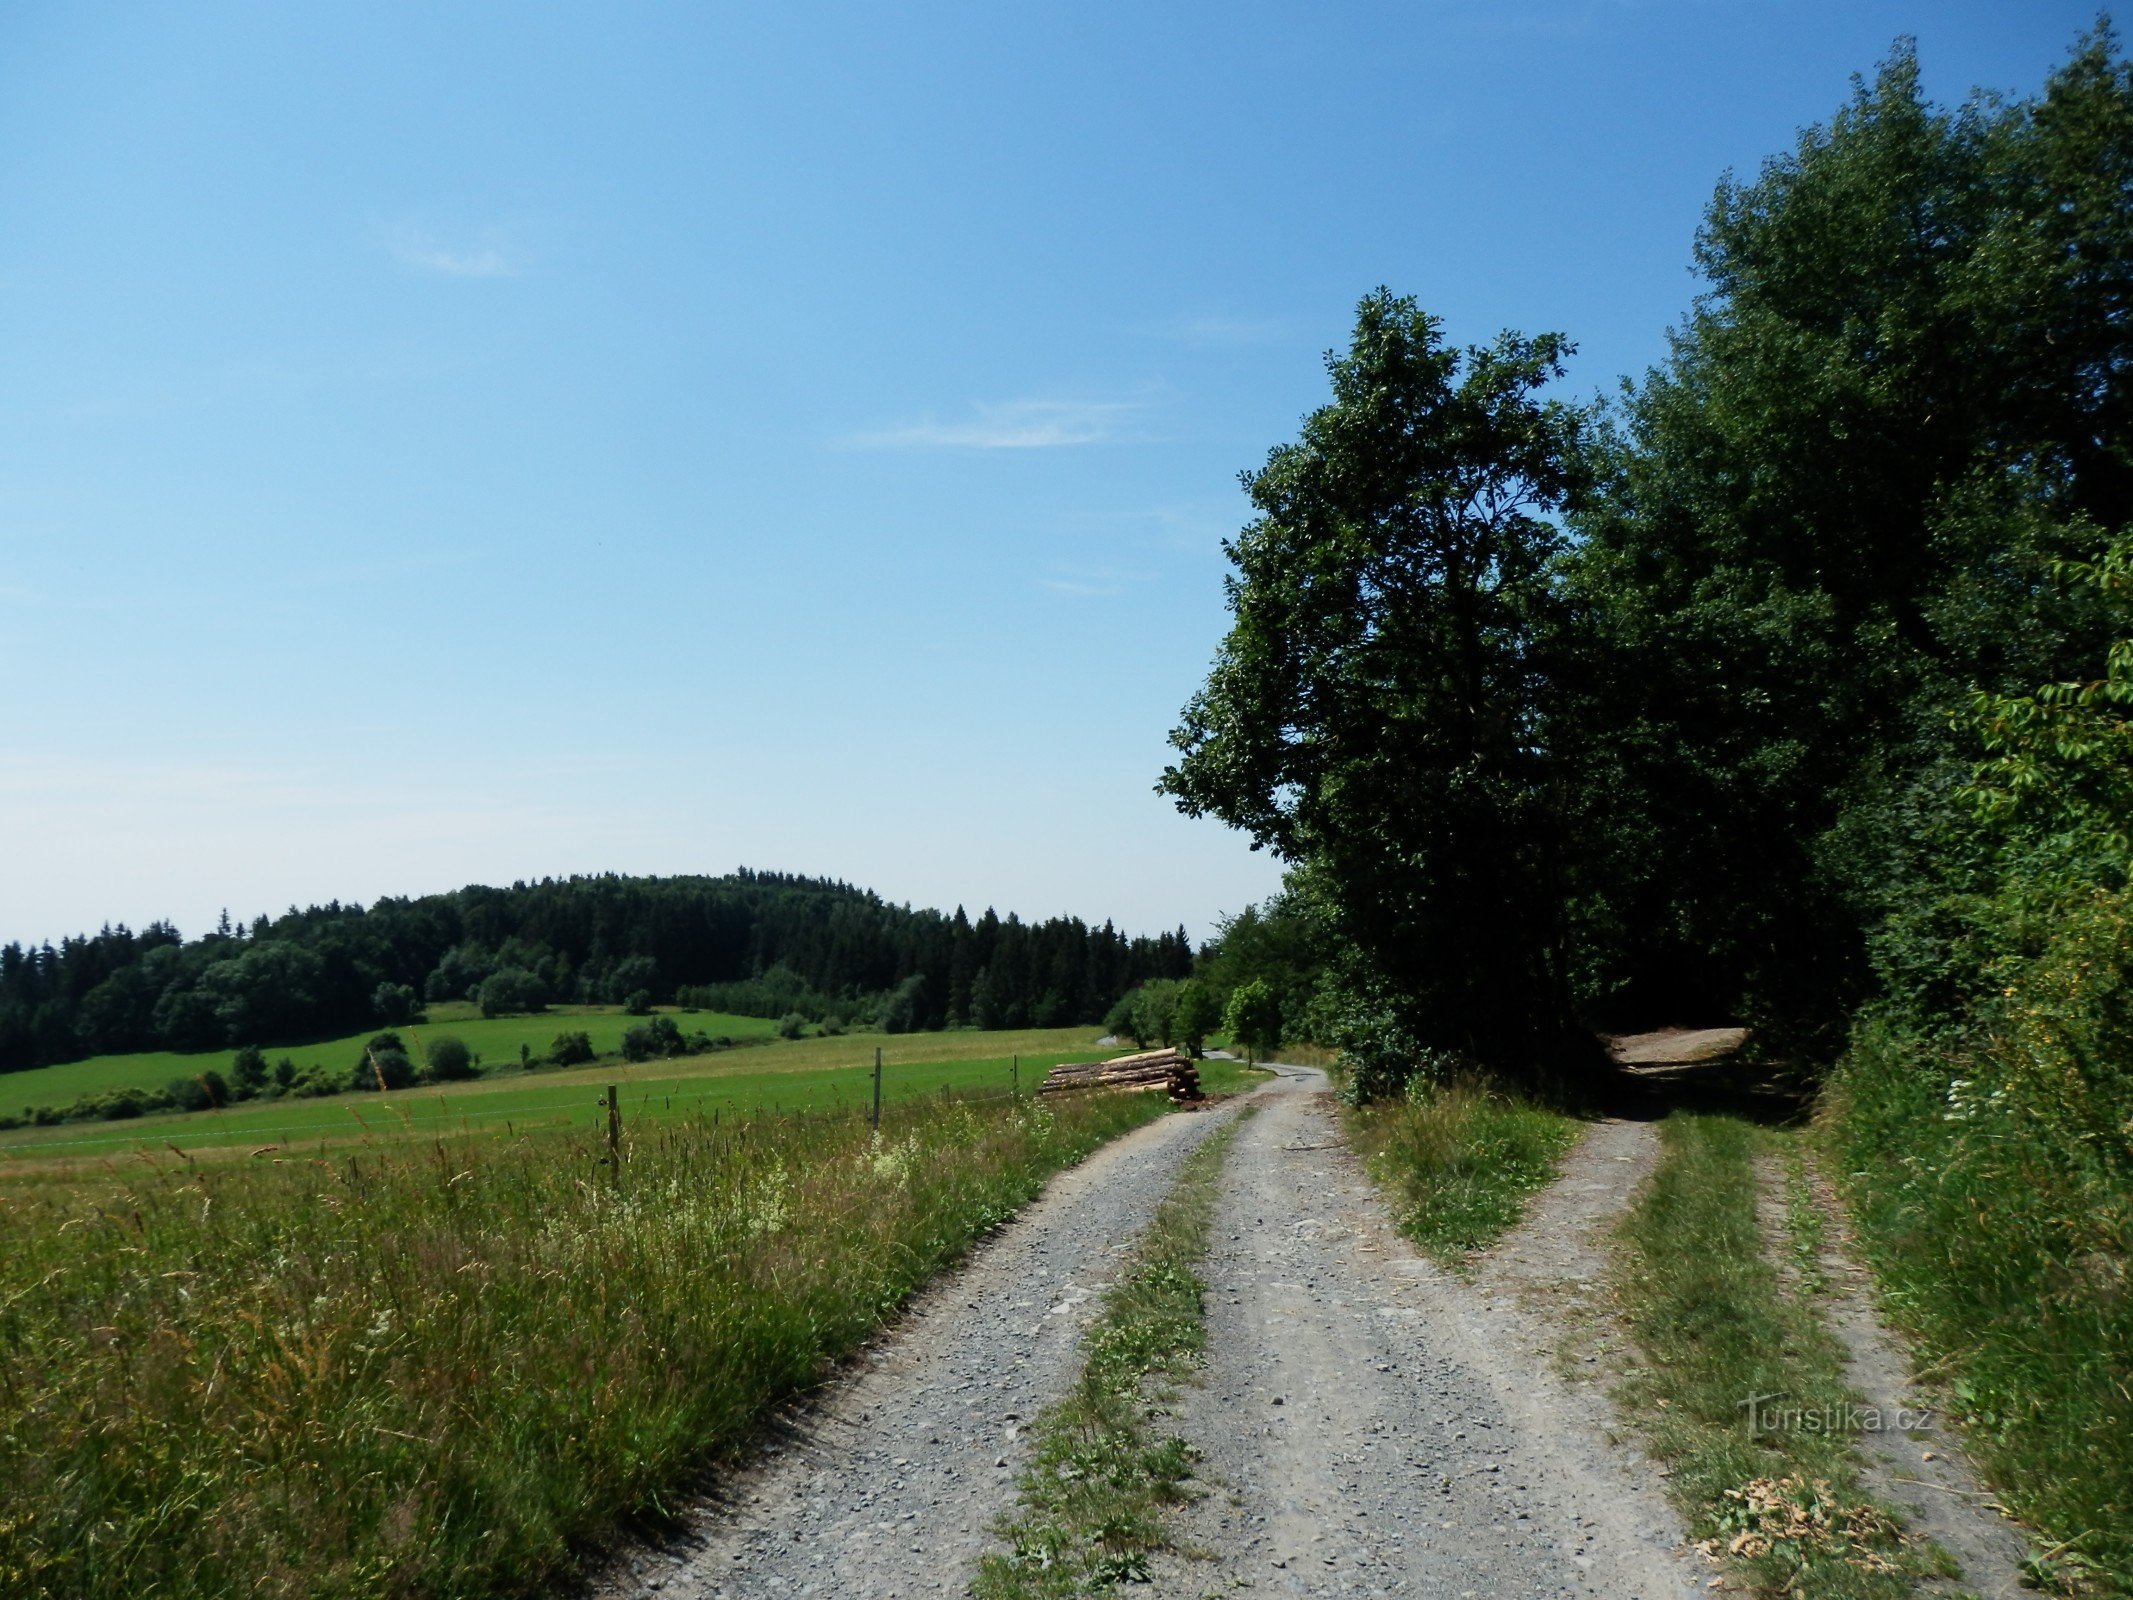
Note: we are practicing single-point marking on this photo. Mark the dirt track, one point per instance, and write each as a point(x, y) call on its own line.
point(1369, 1424)
point(1372, 1425)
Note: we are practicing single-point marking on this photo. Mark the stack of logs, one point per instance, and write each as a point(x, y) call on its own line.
point(1168, 1070)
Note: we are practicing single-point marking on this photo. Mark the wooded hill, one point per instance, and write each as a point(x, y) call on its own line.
point(756, 943)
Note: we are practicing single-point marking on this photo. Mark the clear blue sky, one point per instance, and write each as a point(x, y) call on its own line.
point(450, 443)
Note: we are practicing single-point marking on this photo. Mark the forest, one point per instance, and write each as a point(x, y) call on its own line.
point(756, 943)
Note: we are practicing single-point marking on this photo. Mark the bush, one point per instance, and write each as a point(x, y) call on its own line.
point(1253, 1018)
point(395, 1004)
point(639, 1003)
point(571, 1049)
point(248, 1071)
point(659, 1037)
point(791, 1025)
point(201, 1092)
point(449, 1060)
point(383, 1068)
point(315, 1083)
point(513, 991)
point(627, 977)
point(1196, 1016)
point(904, 1011)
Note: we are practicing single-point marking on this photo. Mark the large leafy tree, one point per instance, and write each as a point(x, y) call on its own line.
point(1377, 714)
point(1833, 511)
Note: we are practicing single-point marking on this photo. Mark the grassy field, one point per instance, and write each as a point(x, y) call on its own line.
point(784, 1075)
point(495, 1039)
point(442, 1367)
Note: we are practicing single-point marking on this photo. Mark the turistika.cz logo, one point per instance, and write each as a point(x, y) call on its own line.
point(1766, 1414)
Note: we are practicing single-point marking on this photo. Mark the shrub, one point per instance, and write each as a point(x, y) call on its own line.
point(904, 1009)
point(1253, 1017)
point(248, 1071)
point(448, 1059)
point(571, 1049)
point(510, 992)
point(639, 1003)
point(1196, 1016)
point(659, 1037)
point(201, 1092)
point(383, 1068)
point(628, 976)
point(791, 1025)
point(395, 1004)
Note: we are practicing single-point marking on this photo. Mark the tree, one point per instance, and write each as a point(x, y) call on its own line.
point(384, 1064)
point(638, 1004)
point(1377, 714)
point(1253, 1018)
point(1196, 1017)
point(395, 1004)
point(248, 1071)
point(791, 1025)
point(571, 1049)
point(448, 1059)
point(511, 990)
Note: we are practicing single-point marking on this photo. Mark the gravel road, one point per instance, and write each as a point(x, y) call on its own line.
point(889, 1483)
point(1370, 1424)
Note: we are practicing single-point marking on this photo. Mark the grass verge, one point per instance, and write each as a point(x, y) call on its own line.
point(1783, 1505)
point(441, 1368)
point(1461, 1160)
point(2000, 1229)
point(1092, 1500)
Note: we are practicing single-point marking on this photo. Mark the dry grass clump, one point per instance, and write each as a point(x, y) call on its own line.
point(441, 1369)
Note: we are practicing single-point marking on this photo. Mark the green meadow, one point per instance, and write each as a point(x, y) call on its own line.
point(495, 1039)
point(780, 1076)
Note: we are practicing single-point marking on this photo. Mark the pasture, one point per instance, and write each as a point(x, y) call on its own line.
point(495, 1039)
point(781, 1076)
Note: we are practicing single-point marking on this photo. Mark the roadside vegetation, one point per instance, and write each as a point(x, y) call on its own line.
point(1460, 1160)
point(1091, 1503)
point(1790, 688)
point(445, 1367)
point(1781, 1505)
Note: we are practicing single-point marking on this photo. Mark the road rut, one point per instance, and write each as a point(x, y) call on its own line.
point(1370, 1424)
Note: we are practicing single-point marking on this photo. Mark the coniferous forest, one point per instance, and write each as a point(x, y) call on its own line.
point(756, 943)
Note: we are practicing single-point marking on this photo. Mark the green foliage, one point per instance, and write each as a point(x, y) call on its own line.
point(1716, 1328)
point(1198, 1014)
point(792, 1025)
point(396, 1004)
point(1253, 1018)
point(447, 1060)
point(1462, 1159)
point(638, 1003)
point(511, 991)
point(570, 1049)
point(248, 1071)
point(1378, 712)
point(465, 1361)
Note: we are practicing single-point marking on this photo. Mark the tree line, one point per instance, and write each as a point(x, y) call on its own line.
point(1671, 708)
point(757, 943)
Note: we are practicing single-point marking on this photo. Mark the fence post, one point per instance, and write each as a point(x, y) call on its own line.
point(877, 1087)
point(614, 1133)
point(1014, 1080)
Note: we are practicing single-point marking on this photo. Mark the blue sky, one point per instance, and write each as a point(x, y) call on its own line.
point(449, 443)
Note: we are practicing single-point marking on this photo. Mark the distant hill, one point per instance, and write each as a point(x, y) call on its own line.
point(759, 943)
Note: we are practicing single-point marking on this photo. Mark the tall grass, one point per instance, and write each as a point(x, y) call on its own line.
point(2001, 1231)
point(1461, 1159)
point(1706, 1304)
point(443, 1368)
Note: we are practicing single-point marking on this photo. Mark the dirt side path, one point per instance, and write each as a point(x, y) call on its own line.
point(1923, 1469)
point(1371, 1424)
point(887, 1485)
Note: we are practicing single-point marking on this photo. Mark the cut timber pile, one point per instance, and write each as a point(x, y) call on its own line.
point(1170, 1070)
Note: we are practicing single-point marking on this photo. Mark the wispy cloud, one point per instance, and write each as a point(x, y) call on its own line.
point(1091, 583)
point(1011, 425)
point(425, 251)
point(1209, 329)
